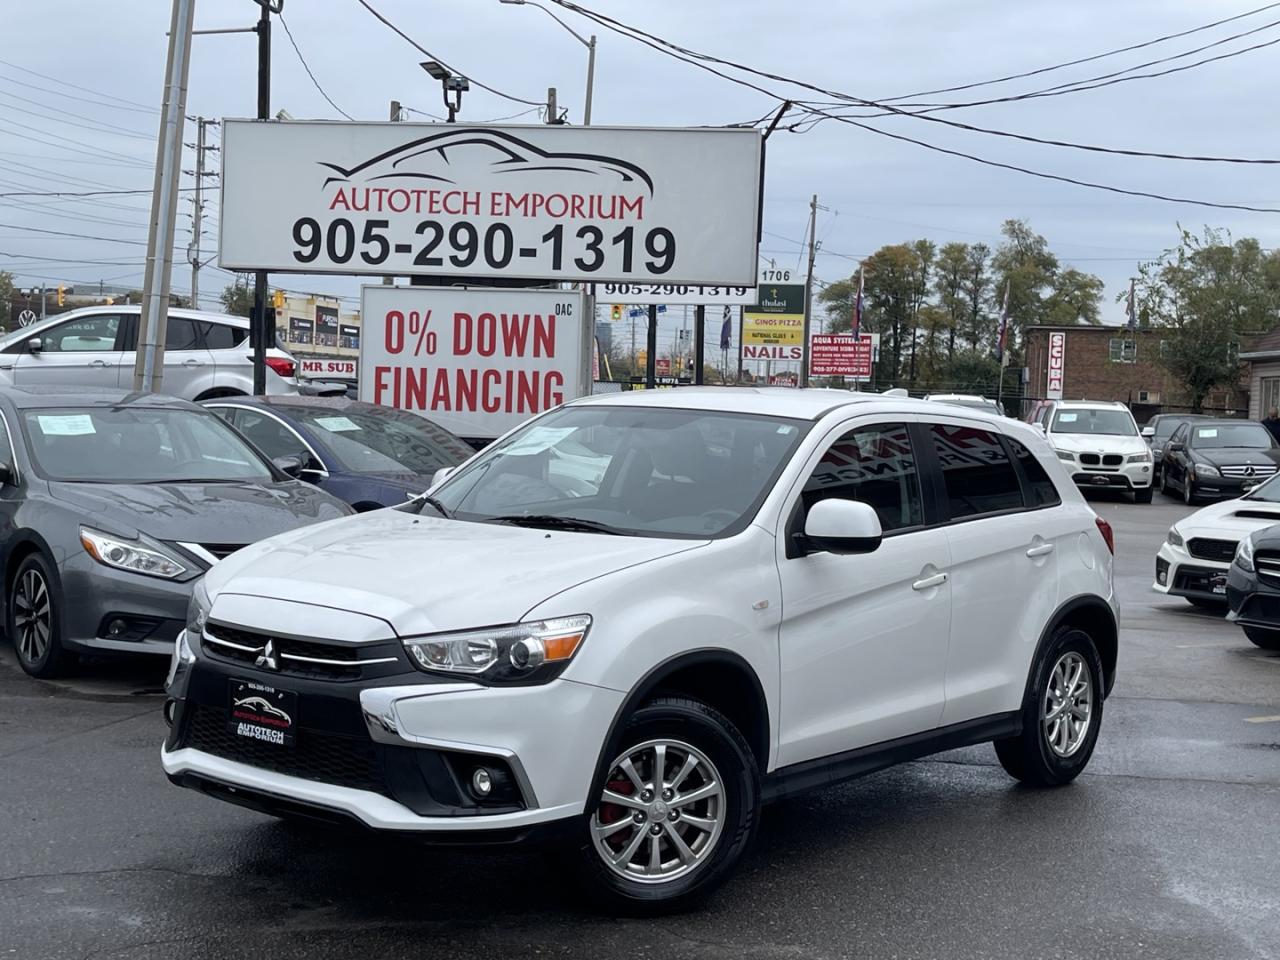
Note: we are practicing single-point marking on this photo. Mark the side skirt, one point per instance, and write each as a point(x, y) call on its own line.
point(823, 772)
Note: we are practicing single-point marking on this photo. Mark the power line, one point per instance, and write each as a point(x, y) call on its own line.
point(98, 125)
point(77, 236)
point(306, 67)
point(421, 49)
point(79, 143)
point(71, 96)
point(97, 93)
point(94, 193)
point(696, 59)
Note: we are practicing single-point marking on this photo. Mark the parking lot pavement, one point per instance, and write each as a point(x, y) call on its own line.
point(1165, 848)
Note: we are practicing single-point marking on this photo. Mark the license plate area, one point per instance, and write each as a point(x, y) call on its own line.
point(1218, 582)
point(262, 713)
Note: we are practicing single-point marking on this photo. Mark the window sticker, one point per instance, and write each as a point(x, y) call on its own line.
point(336, 424)
point(1067, 417)
point(66, 425)
point(538, 439)
point(1206, 433)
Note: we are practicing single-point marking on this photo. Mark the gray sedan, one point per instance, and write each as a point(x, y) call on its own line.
point(113, 504)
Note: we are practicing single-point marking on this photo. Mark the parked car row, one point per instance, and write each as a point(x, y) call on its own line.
point(1099, 443)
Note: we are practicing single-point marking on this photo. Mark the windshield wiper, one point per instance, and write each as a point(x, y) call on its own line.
point(555, 522)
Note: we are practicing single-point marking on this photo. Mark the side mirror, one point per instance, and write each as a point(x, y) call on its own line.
point(292, 466)
point(1177, 447)
point(313, 466)
point(1148, 432)
point(35, 345)
point(1040, 427)
point(843, 526)
point(440, 476)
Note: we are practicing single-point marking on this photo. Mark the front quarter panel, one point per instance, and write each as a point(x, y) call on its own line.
point(723, 595)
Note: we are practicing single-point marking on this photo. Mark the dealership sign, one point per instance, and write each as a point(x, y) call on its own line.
point(633, 205)
point(477, 361)
point(1057, 365)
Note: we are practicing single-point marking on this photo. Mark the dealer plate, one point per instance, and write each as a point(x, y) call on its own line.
point(1219, 583)
point(262, 713)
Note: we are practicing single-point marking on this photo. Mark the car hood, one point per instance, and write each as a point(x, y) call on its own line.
point(1097, 443)
point(217, 513)
point(425, 574)
point(1237, 456)
point(1230, 519)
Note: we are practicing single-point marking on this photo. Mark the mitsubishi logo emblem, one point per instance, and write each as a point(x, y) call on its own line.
point(267, 659)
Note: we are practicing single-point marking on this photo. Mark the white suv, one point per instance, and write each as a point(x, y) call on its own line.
point(205, 354)
point(761, 593)
point(1100, 444)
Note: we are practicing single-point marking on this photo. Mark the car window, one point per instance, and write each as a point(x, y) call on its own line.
point(875, 465)
point(1250, 436)
point(978, 474)
point(221, 336)
point(382, 440)
point(91, 334)
point(270, 435)
point(226, 413)
point(1179, 434)
point(181, 334)
point(1095, 421)
point(1040, 489)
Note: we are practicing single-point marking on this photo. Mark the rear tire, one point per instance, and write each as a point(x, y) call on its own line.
point(621, 862)
point(1260, 637)
point(34, 619)
point(1143, 495)
point(1061, 713)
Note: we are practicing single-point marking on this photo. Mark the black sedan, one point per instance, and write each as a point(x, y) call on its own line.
point(1218, 458)
point(112, 505)
point(1159, 429)
point(366, 455)
point(1253, 588)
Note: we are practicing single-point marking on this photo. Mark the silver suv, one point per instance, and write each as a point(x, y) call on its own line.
point(205, 354)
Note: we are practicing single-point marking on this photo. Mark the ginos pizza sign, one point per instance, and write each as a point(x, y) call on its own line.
point(1057, 365)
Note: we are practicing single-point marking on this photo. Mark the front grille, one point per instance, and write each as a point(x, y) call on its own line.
point(1203, 548)
point(325, 757)
point(1112, 460)
point(313, 659)
point(1197, 580)
point(1089, 459)
point(1267, 565)
point(1253, 470)
point(223, 550)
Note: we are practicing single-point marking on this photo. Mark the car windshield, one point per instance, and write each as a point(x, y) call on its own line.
point(641, 472)
point(382, 440)
point(990, 406)
point(1095, 421)
point(129, 444)
point(1268, 492)
point(1253, 436)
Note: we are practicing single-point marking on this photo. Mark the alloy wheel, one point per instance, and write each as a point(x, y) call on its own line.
point(1067, 709)
point(32, 617)
point(661, 812)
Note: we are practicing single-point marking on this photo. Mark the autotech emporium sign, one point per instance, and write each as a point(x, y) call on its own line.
point(669, 206)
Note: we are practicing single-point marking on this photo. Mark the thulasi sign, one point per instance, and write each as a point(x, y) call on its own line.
point(675, 206)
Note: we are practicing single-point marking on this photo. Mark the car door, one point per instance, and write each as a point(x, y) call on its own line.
point(188, 364)
point(1005, 540)
point(83, 351)
point(1174, 463)
point(863, 638)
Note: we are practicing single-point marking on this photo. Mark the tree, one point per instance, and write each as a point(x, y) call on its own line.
point(925, 252)
point(1076, 298)
point(6, 287)
point(977, 289)
point(237, 299)
point(949, 283)
point(1205, 294)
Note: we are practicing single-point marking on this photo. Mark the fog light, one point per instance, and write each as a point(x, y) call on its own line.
point(169, 707)
point(117, 628)
point(481, 782)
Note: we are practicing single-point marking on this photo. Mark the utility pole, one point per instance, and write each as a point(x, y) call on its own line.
point(397, 114)
point(197, 213)
point(651, 350)
point(808, 291)
point(148, 371)
point(552, 109)
point(699, 336)
point(260, 335)
point(42, 305)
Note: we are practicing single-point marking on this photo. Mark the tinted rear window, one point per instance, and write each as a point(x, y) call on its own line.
point(220, 336)
point(979, 475)
point(1040, 489)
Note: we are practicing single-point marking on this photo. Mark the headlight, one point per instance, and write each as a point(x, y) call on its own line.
point(198, 610)
point(1065, 455)
point(183, 656)
point(1204, 470)
point(1143, 457)
point(130, 555)
point(1244, 555)
point(1174, 538)
point(532, 652)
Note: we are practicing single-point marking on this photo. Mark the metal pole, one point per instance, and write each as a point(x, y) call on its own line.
point(741, 314)
point(591, 76)
point(699, 335)
point(651, 349)
point(148, 370)
point(808, 292)
point(42, 302)
point(259, 319)
point(197, 212)
point(396, 113)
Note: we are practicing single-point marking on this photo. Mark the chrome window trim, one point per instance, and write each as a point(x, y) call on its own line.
point(13, 451)
point(323, 472)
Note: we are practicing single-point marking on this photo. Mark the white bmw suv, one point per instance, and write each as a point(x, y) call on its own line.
point(753, 594)
point(1100, 444)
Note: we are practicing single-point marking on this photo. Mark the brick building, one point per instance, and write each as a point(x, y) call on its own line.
point(1115, 363)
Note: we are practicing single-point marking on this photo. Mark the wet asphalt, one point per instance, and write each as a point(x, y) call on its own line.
point(1167, 847)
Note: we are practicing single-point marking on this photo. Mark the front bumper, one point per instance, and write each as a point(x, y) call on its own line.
point(395, 753)
point(1179, 574)
point(1226, 487)
point(1129, 476)
point(1253, 601)
point(152, 608)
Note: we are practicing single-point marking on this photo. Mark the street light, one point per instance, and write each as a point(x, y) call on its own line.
point(450, 83)
point(589, 44)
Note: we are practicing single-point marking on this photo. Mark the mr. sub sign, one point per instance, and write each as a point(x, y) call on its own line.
point(669, 206)
point(476, 361)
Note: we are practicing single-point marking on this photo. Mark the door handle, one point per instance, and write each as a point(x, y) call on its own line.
point(192, 363)
point(1043, 550)
point(928, 583)
point(97, 363)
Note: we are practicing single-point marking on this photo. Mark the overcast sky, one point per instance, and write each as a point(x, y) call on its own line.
point(875, 190)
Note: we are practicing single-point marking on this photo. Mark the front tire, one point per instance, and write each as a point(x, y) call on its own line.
point(679, 806)
point(34, 621)
point(1188, 490)
point(1260, 637)
point(1061, 713)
